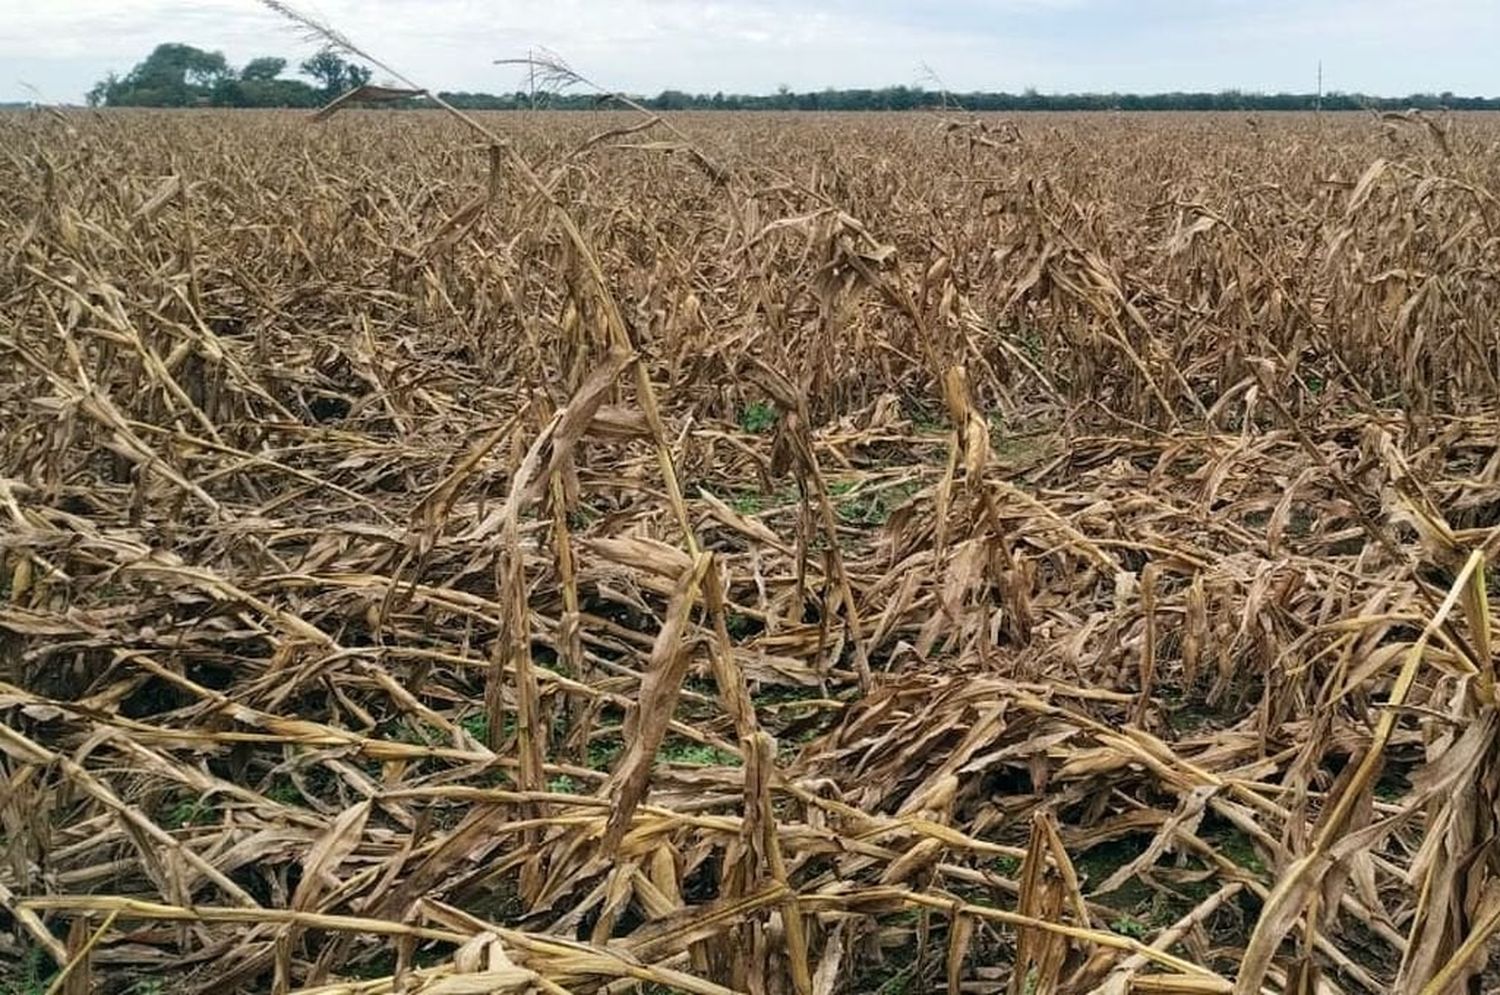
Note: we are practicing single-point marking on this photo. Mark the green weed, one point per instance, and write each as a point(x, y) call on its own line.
point(603, 752)
point(30, 976)
point(782, 694)
point(582, 517)
point(188, 812)
point(1006, 867)
point(1238, 847)
point(696, 754)
point(740, 626)
point(1131, 926)
point(924, 418)
point(477, 725)
point(284, 792)
point(924, 422)
point(900, 982)
point(562, 784)
point(1031, 343)
point(747, 503)
point(873, 507)
point(758, 417)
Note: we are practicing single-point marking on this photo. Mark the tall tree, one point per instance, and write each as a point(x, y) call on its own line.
point(99, 93)
point(260, 85)
point(173, 75)
point(326, 67)
point(334, 72)
point(263, 68)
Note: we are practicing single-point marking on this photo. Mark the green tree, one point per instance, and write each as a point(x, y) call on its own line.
point(173, 75)
point(98, 95)
point(327, 68)
point(264, 68)
point(176, 75)
point(175, 64)
point(334, 72)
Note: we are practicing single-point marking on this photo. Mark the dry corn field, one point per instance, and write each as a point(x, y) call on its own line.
point(748, 554)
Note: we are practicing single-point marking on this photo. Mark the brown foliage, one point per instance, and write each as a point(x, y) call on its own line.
point(1055, 563)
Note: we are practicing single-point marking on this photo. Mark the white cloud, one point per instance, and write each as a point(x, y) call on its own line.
point(62, 46)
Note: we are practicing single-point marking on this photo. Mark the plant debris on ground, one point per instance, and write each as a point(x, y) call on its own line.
point(586, 553)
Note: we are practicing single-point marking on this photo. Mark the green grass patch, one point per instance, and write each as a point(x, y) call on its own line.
point(901, 981)
point(772, 695)
point(1031, 342)
point(924, 418)
point(1014, 447)
point(750, 503)
point(1392, 785)
point(1236, 845)
point(284, 792)
point(747, 503)
point(873, 507)
point(29, 976)
point(581, 517)
point(380, 965)
point(928, 422)
point(1006, 867)
point(1130, 926)
point(562, 784)
point(1186, 709)
point(603, 751)
point(1190, 717)
point(757, 417)
point(685, 751)
point(477, 725)
point(741, 626)
point(1139, 904)
point(413, 732)
point(188, 811)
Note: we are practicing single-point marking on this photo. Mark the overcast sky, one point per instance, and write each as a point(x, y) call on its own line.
point(1390, 47)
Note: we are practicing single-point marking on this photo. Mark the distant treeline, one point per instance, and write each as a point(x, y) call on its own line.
point(176, 75)
point(903, 98)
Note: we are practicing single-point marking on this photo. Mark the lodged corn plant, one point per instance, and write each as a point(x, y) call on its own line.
point(748, 554)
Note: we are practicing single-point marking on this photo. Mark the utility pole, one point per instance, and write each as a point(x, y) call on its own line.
point(1319, 104)
point(531, 66)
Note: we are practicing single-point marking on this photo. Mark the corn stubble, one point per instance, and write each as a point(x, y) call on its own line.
point(802, 555)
